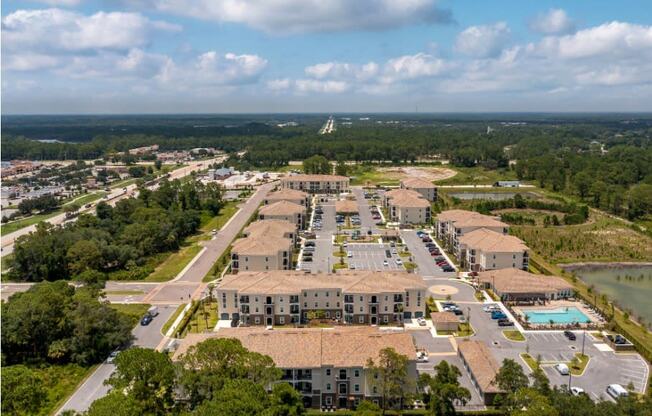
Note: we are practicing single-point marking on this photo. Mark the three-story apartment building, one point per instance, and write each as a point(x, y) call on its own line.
point(260, 253)
point(426, 188)
point(291, 297)
point(290, 195)
point(284, 211)
point(484, 249)
point(316, 184)
point(328, 367)
point(407, 207)
point(455, 223)
point(272, 228)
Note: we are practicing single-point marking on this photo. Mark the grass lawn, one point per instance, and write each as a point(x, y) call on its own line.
point(86, 199)
point(514, 335)
point(174, 263)
point(26, 222)
point(478, 175)
point(218, 221)
point(478, 296)
point(404, 253)
point(409, 266)
point(530, 361)
point(206, 314)
point(464, 330)
point(123, 183)
point(173, 318)
point(578, 368)
point(337, 266)
point(134, 311)
point(367, 175)
point(60, 381)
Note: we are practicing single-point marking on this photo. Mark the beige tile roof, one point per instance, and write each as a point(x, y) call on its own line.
point(492, 242)
point(482, 364)
point(285, 194)
point(260, 245)
point(444, 317)
point(315, 178)
point(270, 228)
point(282, 208)
point(346, 206)
point(312, 347)
point(462, 218)
point(290, 281)
point(513, 280)
point(406, 198)
point(418, 183)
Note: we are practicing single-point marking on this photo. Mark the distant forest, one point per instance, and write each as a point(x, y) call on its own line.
point(605, 160)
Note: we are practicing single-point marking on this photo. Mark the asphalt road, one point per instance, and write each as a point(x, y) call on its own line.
point(93, 387)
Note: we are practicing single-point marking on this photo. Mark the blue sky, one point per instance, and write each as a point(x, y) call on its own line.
point(176, 56)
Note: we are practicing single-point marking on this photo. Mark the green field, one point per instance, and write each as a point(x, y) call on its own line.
point(478, 176)
point(204, 319)
point(134, 311)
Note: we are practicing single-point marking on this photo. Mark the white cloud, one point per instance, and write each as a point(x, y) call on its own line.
point(301, 16)
point(413, 66)
point(483, 41)
point(212, 69)
point(56, 30)
point(313, 85)
point(554, 22)
point(28, 61)
point(60, 3)
point(282, 84)
point(339, 70)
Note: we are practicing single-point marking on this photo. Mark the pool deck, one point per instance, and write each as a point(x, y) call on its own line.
point(556, 304)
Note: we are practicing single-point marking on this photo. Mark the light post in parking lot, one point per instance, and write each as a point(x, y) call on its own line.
point(583, 340)
point(570, 378)
point(468, 316)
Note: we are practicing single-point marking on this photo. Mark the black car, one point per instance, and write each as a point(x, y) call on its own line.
point(505, 322)
point(570, 335)
point(146, 320)
point(448, 269)
point(458, 312)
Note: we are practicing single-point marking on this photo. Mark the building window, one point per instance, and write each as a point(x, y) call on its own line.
point(326, 294)
point(281, 310)
point(328, 386)
point(361, 299)
point(361, 309)
point(316, 304)
point(281, 320)
point(327, 304)
point(328, 372)
point(356, 388)
point(257, 320)
point(329, 400)
point(375, 390)
point(356, 373)
point(361, 319)
point(338, 315)
point(385, 319)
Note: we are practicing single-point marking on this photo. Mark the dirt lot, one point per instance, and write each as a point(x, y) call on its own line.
point(427, 173)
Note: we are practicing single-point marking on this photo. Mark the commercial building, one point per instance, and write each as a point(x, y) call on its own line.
point(482, 368)
point(290, 195)
point(272, 228)
point(455, 223)
point(518, 285)
point(484, 249)
point(353, 297)
point(426, 188)
point(328, 367)
point(407, 207)
point(259, 253)
point(316, 184)
point(285, 211)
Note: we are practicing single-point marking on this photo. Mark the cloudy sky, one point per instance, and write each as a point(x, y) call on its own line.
point(186, 56)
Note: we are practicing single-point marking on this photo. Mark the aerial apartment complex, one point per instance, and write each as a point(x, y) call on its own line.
point(284, 211)
point(290, 195)
point(512, 284)
point(407, 207)
point(456, 223)
point(484, 249)
point(426, 188)
point(291, 297)
point(267, 245)
point(328, 367)
point(316, 184)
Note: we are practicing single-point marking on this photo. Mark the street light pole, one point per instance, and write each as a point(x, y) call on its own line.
point(570, 378)
point(583, 340)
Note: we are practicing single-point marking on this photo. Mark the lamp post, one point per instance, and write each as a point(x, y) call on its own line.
point(570, 378)
point(583, 340)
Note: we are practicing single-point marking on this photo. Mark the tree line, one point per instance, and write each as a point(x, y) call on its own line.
point(116, 239)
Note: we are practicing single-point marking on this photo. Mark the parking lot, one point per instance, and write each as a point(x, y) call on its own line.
point(426, 263)
point(373, 256)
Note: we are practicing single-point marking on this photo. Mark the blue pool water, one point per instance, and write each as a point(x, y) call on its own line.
point(562, 315)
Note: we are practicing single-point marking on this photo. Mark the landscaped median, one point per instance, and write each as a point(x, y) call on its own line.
point(577, 365)
point(513, 335)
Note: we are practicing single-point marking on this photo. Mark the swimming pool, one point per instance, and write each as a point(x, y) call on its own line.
point(562, 315)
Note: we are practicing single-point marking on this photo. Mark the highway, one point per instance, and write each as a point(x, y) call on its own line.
point(112, 198)
point(329, 127)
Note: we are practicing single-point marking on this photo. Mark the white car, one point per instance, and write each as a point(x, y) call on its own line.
point(576, 391)
point(491, 308)
point(422, 357)
point(562, 369)
point(421, 321)
point(385, 263)
point(349, 254)
point(111, 357)
point(399, 262)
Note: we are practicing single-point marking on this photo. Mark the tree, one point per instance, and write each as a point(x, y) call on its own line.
point(236, 398)
point(529, 402)
point(341, 168)
point(116, 403)
point(390, 377)
point(285, 401)
point(158, 164)
point(510, 377)
point(540, 381)
point(137, 171)
point(22, 391)
point(148, 376)
point(444, 390)
point(317, 165)
point(208, 364)
point(367, 408)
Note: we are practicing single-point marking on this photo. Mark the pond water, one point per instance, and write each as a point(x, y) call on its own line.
point(630, 287)
point(493, 196)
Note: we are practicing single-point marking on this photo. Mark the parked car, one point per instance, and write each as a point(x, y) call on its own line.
point(491, 308)
point(616, 391)
point(421, 321)
point(498, 315)
point(349, 254)
point(306, 259)
point(112, 356)
point(448, 269)
point(562, 369)
point(422, 357)
point(147, 319)
point(399, 262)
point(570, 335)
point(385, 263)
point(505, 322)
point(576, 391)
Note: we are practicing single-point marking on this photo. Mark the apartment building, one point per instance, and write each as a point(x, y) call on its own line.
point(316, 184)
point(482, 368)
point(259, 252)
point(351, 297)
point(328, 367)
point(455, 223)
point(484, 249)
point(407, 207)
point(272, 228)
point(290, 195)
point(513, 284)
point(284, 211)
point(426, 188)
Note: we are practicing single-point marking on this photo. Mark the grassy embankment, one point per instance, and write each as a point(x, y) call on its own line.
point(174, 263)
